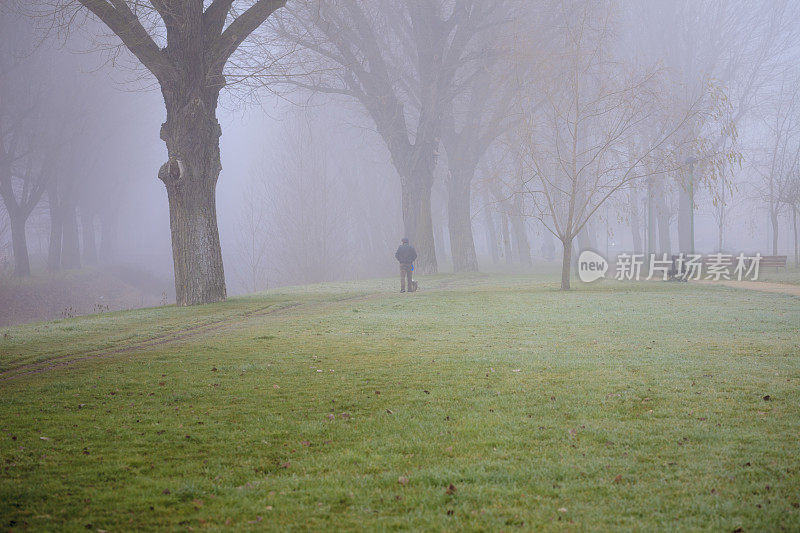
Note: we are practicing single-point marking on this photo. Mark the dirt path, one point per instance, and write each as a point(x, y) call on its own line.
point(171, 337)
point(763, 286)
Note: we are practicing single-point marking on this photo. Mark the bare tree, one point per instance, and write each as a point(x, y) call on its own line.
point(733, 44)
point(20, 188)
point(782, 120)
point(400, 61)
point(578, 146)
point(475, 118)
point(186, 49)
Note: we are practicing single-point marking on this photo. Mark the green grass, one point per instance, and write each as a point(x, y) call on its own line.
point(791, 274)
point(612, 407)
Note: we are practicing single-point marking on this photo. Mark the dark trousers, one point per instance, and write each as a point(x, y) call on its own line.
point(405, 273)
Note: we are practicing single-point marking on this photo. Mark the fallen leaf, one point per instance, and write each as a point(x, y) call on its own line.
point(767, 398)
point(306, 443)
point(562, 509)
point(618, 479)
point(403, 480)
point(451, 489)
point(45, 438)
point(389, 411)
point(517, 370)
point(331, 416)
point(285, 465)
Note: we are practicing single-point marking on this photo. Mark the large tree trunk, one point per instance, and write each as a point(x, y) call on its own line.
point(19, 244)
point(417, 223)
point(70, 246)
point(566, 263)
point(635, 222)
point(192, 134)
point(89, 238)
point(459, 221)
point(662, 219)
point(56, 228)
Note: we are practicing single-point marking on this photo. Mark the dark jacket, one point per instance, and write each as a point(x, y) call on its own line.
point(406, 254)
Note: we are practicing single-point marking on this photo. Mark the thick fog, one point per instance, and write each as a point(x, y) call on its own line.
point(491, 133)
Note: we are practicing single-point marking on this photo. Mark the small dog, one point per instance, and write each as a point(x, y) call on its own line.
point(414, 285)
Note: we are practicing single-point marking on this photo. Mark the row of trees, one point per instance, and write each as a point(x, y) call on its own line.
point(54, 154)
point(557, 86)
point(560, 106)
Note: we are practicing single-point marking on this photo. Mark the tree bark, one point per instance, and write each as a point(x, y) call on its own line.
point(459, 221)
point(418, 224)
point(70, 246)
point(566, 263)
point(56, 228)
point(190, 73)
point(662, 221)
point(192, 134)
point(19, 244)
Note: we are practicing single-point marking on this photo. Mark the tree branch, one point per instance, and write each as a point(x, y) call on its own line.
point(238, 30)
point(129, 29)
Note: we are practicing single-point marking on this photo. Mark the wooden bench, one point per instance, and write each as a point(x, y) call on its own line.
point(767, 261)
point(773, 261)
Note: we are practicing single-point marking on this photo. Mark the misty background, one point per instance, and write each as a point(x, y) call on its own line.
point(309, 191)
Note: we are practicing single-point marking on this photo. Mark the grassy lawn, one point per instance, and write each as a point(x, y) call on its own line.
point(480, 403)
point(791, 274)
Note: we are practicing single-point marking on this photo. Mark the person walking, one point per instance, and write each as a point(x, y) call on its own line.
point(405, 255)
